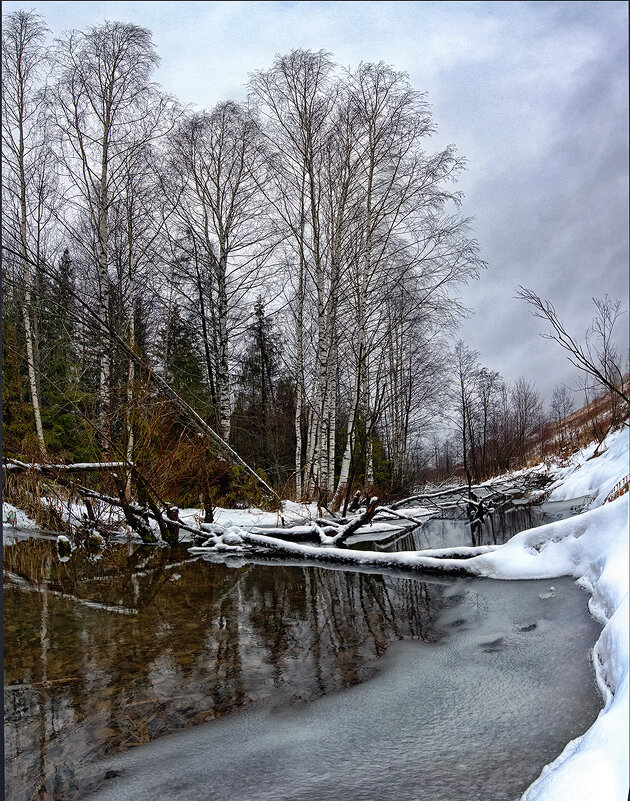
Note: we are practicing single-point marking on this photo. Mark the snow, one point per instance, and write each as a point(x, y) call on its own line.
point(597, 476)
point(14, 519)
point(246, 518)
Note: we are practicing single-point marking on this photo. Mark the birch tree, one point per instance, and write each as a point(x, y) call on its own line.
point(406, 237)
point(26, 173)
point(138, 218)
point(224, 226)
point(106, 110)
point(296, 99)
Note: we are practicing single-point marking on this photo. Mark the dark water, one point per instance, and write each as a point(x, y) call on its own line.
point(473, 717)
point(449, 532)
point(105, 654)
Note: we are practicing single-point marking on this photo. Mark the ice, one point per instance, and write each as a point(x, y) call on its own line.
point(476, 715)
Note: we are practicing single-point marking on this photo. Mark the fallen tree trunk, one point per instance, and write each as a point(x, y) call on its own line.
point(48, 468)
point(451, 560)
point(503, 489)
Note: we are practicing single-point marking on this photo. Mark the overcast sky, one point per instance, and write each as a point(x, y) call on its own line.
point(533, 94)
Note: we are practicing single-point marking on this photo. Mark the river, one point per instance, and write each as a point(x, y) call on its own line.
point(284, 682)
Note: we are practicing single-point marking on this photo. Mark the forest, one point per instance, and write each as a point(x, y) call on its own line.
point(250, 302)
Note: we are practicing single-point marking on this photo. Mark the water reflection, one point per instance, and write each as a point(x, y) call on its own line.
point(106, 654)
point(453, 531)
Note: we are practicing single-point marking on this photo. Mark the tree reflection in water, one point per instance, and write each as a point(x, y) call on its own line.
point(102, 654)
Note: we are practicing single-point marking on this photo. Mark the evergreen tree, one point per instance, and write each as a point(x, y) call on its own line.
point(262, 423)
point(182, 360)
point(66, 393)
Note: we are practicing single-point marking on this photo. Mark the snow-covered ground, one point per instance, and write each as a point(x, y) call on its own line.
point(246, 518)
point(14, 520)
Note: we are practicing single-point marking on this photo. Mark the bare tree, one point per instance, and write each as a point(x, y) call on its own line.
point(561, 406)
point(528, 413)
point(296, 102)
point(106, 110)
point(488, 389)
point(218, 155)
point(597, 357)
point(363, 208)
point(466, 369)
point(138, 218)
point(26, 178)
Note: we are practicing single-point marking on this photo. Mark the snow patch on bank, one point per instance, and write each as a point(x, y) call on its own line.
point(594, 476)
point(247, 518)
point(14, 519)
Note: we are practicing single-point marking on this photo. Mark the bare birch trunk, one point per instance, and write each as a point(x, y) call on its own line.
point(30, 360)
point(26, 304)
point(311, 477)
point(299, 338)
point(103, 281)
point(332, 417)
point(350, 434)
point(369, 444)
point(131, 368)
point(222, 377)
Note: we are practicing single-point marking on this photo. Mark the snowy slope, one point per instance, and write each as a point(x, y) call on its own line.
point(594, 766)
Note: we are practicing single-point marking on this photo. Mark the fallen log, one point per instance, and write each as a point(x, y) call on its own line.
point(48, 468)
point(445, 560)
point(488, 492)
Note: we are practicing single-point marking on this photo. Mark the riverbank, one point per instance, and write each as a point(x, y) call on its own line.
point(591, 547)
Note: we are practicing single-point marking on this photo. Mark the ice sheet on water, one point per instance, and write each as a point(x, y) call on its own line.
point(475, 716)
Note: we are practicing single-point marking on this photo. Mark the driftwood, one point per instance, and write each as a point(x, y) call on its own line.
point(323, 539)
point(16, 466)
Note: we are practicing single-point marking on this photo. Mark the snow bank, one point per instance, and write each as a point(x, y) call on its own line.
point(595, 547)
point(590, 476)
point(14, 519)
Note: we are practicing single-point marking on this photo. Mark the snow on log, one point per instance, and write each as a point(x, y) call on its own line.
point(450, 560)
point(16, 466)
